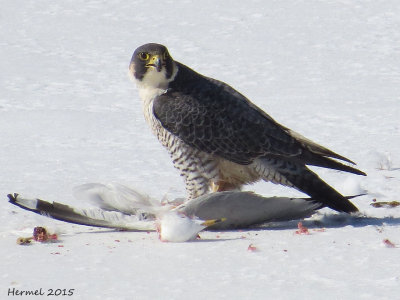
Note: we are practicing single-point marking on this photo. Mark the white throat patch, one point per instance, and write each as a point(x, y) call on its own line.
point(152, 85)
point(154, 79)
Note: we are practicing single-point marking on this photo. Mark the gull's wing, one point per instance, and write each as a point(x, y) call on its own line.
point(244, 209)
point(90, 217)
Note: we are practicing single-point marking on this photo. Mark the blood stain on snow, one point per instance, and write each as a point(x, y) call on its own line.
point(252, 248)
point(302, 229)
point(388, 243)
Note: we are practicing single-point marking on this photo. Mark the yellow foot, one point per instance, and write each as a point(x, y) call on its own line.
point(221, 186)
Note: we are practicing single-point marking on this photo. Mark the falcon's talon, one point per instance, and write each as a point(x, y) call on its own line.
point(222, 186)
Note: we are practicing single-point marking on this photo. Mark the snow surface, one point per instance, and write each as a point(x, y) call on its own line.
point(69, 115)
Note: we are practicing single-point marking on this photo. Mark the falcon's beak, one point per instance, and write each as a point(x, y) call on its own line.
point(155, 62)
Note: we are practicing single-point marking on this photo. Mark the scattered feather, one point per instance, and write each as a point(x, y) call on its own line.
point(389, 204)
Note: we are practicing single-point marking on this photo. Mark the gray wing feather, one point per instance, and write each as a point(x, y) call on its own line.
point(244, 209)
point(241, 209)
point(88, 217)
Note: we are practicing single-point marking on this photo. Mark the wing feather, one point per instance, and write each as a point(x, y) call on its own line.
point(212, 117)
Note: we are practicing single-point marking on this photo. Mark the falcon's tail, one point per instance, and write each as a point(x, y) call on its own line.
point(308, 182)
point(297, 175)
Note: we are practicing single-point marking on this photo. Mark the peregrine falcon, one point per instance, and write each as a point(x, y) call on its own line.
point(219, 140)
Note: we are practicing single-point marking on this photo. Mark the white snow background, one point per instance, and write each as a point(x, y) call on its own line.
point(69, 115)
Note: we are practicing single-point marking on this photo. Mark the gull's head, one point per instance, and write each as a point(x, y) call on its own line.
point(176, 227)
point(152, 66)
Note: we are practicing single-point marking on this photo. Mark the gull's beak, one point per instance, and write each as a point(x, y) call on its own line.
point(155, 62)
point(212, 222)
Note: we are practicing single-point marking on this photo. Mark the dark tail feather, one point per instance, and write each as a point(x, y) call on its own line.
point(309, 183)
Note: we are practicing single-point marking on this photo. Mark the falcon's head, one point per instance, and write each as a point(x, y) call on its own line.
point(152, 65)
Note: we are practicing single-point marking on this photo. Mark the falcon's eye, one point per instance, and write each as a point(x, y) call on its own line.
point(144, 56)
point(165, 55)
